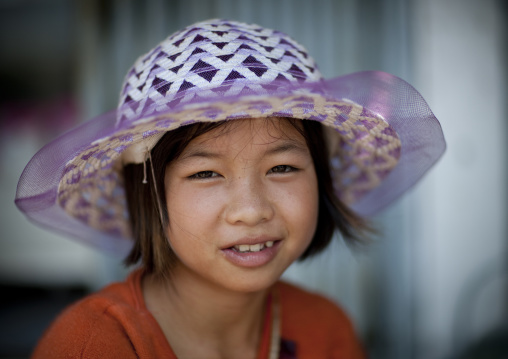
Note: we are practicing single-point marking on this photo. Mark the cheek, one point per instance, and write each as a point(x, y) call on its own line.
point(184, 234)
point(308, 213)
point(300, 208)
point(192, 204)
point(191, 214)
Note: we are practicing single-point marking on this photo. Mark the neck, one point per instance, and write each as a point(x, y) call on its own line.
point(190, 310)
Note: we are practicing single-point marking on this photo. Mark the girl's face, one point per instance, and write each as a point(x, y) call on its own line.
point(243, 204)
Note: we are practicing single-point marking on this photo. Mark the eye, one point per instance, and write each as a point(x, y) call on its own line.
point(282, 169)
point(204, 175)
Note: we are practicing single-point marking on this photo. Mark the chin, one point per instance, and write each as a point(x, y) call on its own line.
point(250, 285)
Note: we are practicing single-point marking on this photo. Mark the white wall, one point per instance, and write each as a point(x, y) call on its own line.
point(462, 207)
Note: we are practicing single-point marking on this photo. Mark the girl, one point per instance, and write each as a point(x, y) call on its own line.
point(228, 158)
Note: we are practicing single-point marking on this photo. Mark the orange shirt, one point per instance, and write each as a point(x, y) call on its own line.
point(115, 323)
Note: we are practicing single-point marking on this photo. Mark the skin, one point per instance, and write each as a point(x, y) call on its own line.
point(254, 178)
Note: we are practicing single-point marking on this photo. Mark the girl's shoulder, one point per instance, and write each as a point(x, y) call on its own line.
point(111, 323)
point(316, 324)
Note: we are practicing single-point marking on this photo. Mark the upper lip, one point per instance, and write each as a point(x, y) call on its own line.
point(251, 241)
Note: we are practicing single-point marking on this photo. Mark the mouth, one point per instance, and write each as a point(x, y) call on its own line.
point(254, 254)
point(251, 248)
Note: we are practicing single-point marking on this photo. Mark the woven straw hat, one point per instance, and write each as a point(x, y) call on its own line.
point(381, 134)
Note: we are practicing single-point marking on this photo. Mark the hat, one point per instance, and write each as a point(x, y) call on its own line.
point(381, 134)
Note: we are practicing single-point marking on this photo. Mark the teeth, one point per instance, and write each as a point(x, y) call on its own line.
point(242, 248)
point(255, 247)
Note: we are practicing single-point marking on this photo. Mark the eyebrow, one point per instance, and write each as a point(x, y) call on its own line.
point(286, 146)
point(200, 153)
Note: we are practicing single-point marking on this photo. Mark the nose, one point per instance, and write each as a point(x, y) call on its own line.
point(248, 203)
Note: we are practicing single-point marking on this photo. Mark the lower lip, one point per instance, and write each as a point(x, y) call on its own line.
point(252, 259)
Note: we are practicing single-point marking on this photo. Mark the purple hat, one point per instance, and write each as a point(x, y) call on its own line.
point(381, 134)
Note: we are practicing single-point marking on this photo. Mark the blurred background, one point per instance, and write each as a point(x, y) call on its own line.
point(434, 285)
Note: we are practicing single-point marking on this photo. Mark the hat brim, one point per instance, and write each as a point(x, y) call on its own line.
point(385, 137)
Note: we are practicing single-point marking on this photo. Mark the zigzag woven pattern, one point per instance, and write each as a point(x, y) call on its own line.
point(228, 58)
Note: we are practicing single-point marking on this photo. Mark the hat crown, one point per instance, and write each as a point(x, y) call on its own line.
point(210, 59)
